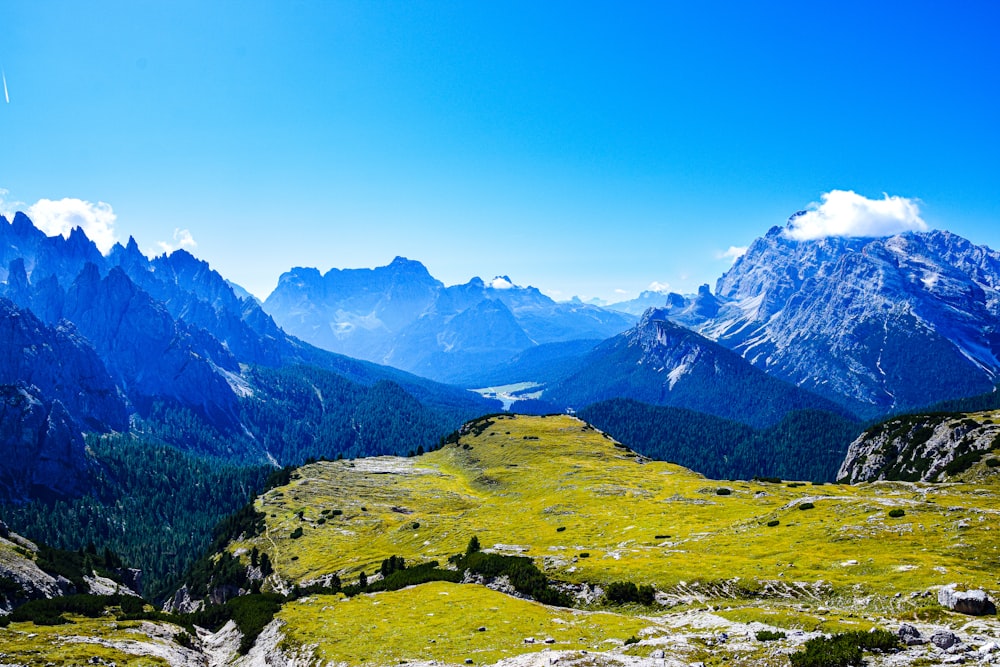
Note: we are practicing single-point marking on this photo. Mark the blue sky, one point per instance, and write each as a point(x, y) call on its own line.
point(579, 147)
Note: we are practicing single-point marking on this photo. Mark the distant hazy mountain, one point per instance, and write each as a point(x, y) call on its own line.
point(877, 325)
point(400, 315)
point(646, 300)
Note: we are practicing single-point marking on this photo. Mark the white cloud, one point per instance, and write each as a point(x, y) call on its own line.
point(619, 290)
point(501, 282)
point(8, 208)
point(846, 213)
point(62, 216)
point(656, 286)
point(734, 253)
point(182, 239)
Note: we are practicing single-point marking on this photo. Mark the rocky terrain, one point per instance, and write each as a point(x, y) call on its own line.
point(936, 447)
point(878, 324)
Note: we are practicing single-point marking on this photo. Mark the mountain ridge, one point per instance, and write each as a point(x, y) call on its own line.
point(426, 327)
point(877, 324)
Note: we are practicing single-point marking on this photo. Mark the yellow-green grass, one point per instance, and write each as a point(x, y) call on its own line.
point(75, 643)
point(524, 478)
point(441, 621)
point(792, 619)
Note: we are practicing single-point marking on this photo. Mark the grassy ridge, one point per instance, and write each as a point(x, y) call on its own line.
point(520, 480)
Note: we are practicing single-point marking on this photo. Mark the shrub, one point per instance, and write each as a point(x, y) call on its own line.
point(806, 506)
point(993, 463)
point(842, 650)
point(297, 533)
point(772, 523)
point(473, 546)
point(410, 576)
point(769, 635)
point(896, 513)
point(50, 611)
point(631, 640)
point(623, 592)
point(584, 555)
point(723, 491)
point(560, 529)
point(523, 575)
point(963, 462)
point(827, 652)
point(392, 564)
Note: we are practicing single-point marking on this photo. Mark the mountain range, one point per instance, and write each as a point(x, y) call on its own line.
point(401, 316)
point(112, 343)
point(870, 325)
point(855, 327)
point(878, 325)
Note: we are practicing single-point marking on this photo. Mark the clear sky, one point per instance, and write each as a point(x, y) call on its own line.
point(583, 148)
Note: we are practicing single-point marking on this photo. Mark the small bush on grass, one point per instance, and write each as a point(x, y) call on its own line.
point(623, 592)
point(523, 575)
point(843, 650)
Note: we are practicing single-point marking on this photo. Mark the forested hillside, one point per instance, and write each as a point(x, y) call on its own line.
point(805, 445)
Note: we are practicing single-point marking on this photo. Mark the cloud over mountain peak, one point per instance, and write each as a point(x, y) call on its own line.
point(846, 213)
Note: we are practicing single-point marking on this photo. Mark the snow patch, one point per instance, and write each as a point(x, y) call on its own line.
point(678, 373)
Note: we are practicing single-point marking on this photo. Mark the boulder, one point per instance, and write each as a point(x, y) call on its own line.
point(910, 636)
point(944, 639)
point(974, 603)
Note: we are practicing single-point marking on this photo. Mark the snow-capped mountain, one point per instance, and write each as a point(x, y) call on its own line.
point(877, 324)
point(402, 316)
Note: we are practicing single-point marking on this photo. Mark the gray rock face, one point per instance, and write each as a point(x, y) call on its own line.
point(43, 450)
point(915, 448)
point(154, 355)
point(61, 365)
point(974, 603)
point(182, 602)
point(876, 324)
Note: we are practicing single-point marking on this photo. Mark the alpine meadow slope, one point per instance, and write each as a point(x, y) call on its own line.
point(735, 570)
